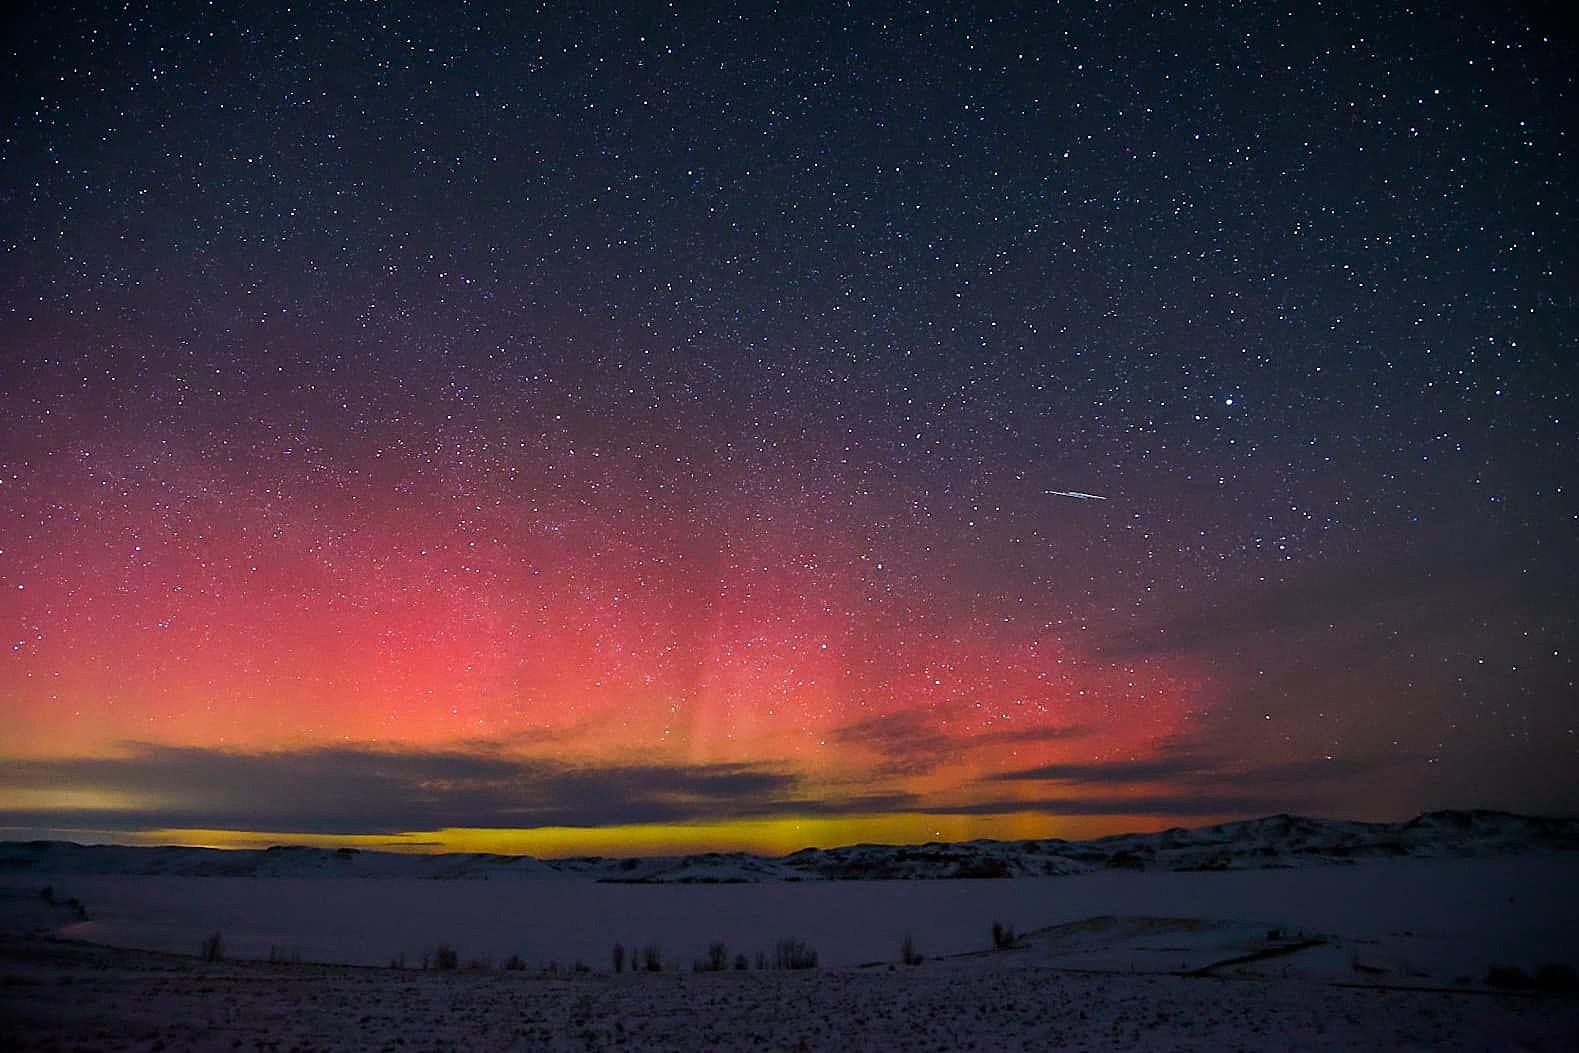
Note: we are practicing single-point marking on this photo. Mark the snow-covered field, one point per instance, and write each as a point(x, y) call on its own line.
point(69, 997)
point(1380, 954)
point(1446, 917)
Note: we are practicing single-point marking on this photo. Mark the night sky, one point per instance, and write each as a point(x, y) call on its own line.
point(735, 427)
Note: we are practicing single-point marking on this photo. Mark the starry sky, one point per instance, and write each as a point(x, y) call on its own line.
point(721, 426)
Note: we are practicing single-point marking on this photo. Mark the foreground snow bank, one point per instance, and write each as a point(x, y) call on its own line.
point(63, 997)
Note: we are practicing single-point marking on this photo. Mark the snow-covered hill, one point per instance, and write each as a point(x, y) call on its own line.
point(1274, 841)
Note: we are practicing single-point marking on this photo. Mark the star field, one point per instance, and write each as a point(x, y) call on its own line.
point(559, 420)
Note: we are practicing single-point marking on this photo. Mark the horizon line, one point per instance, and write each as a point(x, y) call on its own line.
point(449, 841)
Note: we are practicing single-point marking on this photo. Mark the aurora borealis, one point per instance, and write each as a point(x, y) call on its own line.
point(551, 432)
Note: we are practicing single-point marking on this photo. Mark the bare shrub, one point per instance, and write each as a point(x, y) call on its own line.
point(213, 948)
point(652, 958)
point(908, 953)
point(619, 957)
point(445, 957)
point(514, 963)
point(1003, 936)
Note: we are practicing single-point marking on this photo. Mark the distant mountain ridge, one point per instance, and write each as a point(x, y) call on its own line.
point(1273, 841)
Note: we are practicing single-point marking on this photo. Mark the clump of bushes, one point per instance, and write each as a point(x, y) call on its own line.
point(1004, 936)
point(71, 903)
point(717, 959)
point(648, 958)
point(908, 953)
point(443, 957)
point(1508, 976)
point(793, 954)
point(1557, 976)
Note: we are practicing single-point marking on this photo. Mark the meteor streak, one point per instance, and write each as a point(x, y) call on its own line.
point(1076, 494)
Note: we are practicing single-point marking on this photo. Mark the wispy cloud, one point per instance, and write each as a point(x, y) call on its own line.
point(1108, 773)
point(1337, 611)
point(1181, 779)
point(915, 741)
point(1083, 804)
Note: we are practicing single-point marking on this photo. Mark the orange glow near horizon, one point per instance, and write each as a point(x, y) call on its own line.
point(765, 837)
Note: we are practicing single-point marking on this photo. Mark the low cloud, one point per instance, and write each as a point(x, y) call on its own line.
point(368, 790)
point(361, 790)
point(1365, 609)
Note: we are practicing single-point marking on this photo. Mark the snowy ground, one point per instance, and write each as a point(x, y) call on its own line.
point(1379, 955)
point(67, 997)
point(1448, 917)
